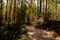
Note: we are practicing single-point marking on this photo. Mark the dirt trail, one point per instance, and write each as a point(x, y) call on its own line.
point(38, 34)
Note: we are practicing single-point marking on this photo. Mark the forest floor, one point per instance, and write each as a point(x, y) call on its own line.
point(34, 33)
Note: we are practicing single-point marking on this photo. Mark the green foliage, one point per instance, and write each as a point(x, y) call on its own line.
point(23, 37)
point(9, 32)
point(25, 12)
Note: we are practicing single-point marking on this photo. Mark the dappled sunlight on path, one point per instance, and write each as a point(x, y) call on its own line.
point(39, 34)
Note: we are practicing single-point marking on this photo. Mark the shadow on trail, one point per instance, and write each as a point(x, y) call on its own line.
point(46, 31)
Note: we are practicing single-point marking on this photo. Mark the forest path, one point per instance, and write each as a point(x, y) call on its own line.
point(34, 33)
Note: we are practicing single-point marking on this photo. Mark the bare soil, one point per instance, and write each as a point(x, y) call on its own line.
point(34, 33)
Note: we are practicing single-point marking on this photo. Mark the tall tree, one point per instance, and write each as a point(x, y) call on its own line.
point(1, 12)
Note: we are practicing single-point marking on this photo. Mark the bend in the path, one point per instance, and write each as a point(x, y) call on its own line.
point(38, 34)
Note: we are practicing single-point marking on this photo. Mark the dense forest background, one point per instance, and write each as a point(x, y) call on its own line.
point(15, 15)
